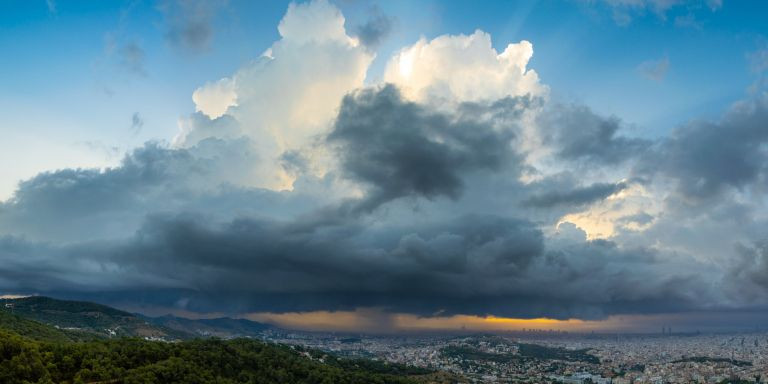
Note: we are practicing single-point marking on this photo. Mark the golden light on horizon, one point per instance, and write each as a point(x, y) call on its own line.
point(376, 320)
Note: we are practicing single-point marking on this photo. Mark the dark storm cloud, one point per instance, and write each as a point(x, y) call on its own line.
point(267, 265)
point(749, 273)
point(576, 196)
point(707, 158)
point(54, 203)
point(399, 148)
point(604, 278)
point(189, 23)
point(577, 133)
point(471, 264)
point(476, 264)
point(375, 29)
point(179, 225)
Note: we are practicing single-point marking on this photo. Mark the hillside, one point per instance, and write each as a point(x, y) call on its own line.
point(104, 321)
point(84, 317)
point(73, 351)
point(133, 361)
point(36, 330)
point(223, 327)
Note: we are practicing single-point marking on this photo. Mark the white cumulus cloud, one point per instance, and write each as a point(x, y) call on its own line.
point(213, 99)
point(288, 96)
point(463, 68)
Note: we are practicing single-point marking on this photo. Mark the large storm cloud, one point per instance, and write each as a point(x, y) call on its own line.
point(400, 148)
point(298, 187)
point(470, 265)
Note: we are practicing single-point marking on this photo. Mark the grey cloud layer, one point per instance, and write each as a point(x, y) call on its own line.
point(471, 265)
point(577, 196)
point(73, 205)
point(182, 224)
point(579, 134)
point(400, 148)
point(708, 158)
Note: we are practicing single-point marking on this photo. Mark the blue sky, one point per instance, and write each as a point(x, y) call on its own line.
point(271, 159)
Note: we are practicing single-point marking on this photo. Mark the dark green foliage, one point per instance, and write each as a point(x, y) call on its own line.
point(135, 361)
point(96, 319)
point(38, 331)
point(103, 321)
point(42, 304)
point(368, 365)
point(32, 329)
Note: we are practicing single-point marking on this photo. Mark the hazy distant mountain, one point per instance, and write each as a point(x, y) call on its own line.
point(224, 327)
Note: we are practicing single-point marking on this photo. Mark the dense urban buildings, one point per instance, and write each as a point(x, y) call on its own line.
point(538, 357)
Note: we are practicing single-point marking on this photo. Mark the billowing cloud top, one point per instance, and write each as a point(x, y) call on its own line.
point(465, 68)
point(455, 186)
point(290, 94)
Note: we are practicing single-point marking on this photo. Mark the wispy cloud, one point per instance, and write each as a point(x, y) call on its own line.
point(189, 23)
point(376, 29)
point(51, 4)
point(137, 123)
point(625, 11)
point(655, 70)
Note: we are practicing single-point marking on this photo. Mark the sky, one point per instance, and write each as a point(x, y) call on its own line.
point(390, 166)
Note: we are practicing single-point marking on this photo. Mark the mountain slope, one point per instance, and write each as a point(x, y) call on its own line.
point(202, 361)
point(33, 329)
point(104, 321)
point(34, 352)
point(93, 318)
point(223, 327)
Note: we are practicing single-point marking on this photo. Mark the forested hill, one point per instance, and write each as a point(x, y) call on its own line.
point(35, 352)
point(103, 321)
point(136, 361)
point(85, 317)
point(36, 330)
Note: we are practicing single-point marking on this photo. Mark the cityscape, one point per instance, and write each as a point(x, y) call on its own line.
point(383, 191)
point(560, 357)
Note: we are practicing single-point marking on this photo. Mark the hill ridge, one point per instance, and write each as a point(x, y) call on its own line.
point(101, 320)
